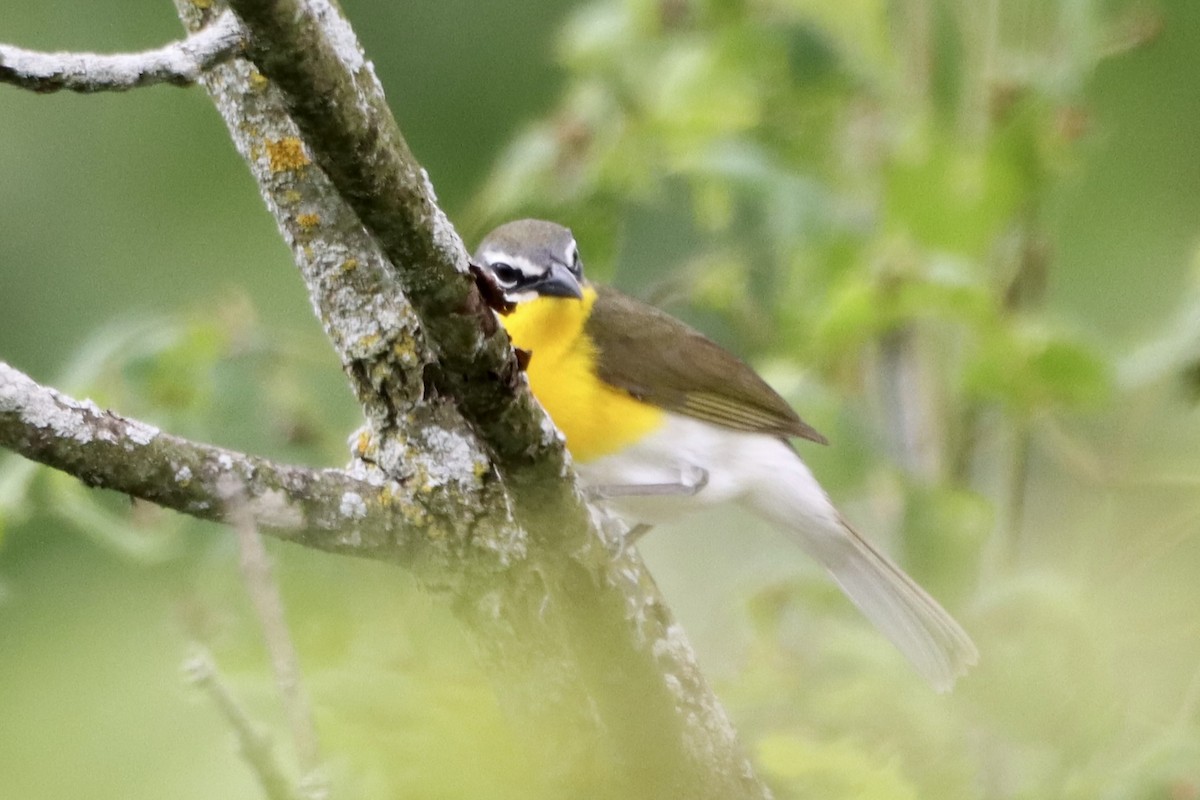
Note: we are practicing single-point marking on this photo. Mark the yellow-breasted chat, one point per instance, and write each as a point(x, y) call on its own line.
point(661, 421)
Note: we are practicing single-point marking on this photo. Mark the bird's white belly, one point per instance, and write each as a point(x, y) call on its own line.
point(765, 475)
point(738, 466)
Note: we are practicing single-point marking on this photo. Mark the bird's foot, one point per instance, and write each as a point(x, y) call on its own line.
point(692, 479)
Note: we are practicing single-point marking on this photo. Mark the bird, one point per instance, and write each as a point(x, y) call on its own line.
point(661, 421)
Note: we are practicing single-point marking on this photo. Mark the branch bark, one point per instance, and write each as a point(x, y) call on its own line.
point(178, 63)
point(324, 509)
point(329, 88)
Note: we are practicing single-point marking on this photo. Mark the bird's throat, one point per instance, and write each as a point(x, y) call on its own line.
point(597, 419)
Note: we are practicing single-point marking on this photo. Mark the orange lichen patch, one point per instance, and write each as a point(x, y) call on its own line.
point(286, 154)
point(203, 5)
point(291, 197)
point(258, 81)
point(308, 221)
point(363, 444)
point(349, 265)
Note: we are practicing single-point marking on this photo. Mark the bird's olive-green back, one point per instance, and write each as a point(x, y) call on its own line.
point(662, 361)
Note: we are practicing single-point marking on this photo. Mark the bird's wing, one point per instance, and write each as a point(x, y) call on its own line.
point(662, 361)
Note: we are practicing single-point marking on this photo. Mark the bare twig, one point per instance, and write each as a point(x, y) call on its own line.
point(909, 404)
point(1018, 489)
point(179, 63)
point(268, 607)
point(253, 742)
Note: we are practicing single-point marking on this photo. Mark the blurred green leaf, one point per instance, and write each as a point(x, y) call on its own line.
point(859, 30)
point(16, 476)
point(870, 304)
point(1032, 367)
point(945, 530)
point(951, 197)
point(153, 539)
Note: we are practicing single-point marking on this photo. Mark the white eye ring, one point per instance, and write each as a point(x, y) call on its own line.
point(573, 257)
point(506, 273)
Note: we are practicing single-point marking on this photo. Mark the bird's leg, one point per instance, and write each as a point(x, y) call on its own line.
point(691, 480)
point(634, 535)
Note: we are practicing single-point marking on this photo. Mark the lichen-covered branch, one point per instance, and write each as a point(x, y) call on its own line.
point(308, 50)
point(179, 63)
point(326, 509)
point(373, 328)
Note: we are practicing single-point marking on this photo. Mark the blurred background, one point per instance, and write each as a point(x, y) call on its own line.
point(961, 237)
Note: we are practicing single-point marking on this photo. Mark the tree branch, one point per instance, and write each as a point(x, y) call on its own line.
point(581, 647)
point(179, 63)
point(325, 509)
point(308, 50)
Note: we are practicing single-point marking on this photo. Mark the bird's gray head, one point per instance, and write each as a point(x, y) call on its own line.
point(532, 258)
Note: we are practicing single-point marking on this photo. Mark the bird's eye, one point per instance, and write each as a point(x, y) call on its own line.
point(576, 265)
point(506, 273)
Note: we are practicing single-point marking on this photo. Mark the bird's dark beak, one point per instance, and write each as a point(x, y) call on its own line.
point(559, 282)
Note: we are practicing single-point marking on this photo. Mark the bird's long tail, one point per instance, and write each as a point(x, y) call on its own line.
point(904, 612)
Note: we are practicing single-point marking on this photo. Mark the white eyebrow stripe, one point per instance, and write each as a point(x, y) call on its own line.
point(527, 267)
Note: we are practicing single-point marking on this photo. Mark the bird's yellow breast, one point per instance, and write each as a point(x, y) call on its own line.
point(596, 419)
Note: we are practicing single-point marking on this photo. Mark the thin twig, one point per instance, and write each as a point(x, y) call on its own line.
point(268, 607)
point(255, 745)
point(1017, 491)
point(178, 64)
point(917, 37)
point(909, 404)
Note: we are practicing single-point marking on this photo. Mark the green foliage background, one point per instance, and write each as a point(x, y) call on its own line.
point(972, 222)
